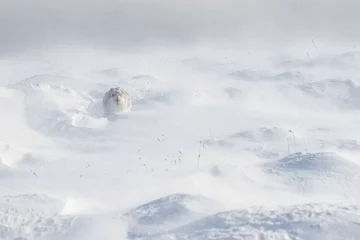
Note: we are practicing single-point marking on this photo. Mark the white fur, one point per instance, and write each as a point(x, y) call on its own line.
point(116, 100)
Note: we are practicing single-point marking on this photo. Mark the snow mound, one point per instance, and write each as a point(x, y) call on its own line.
point(318, 173)
point(35, 201)
point(168, 212)
point(245, 75)
point(12, 158)
point(51, 107)
point(233, 93)
point(264, 134)
point(347, 60)
point(110, 73)
point(320, 162)
point(263, 142)
point(16, 156)
point(343, 93)
point(29, 224)
point(344, 144)
point(262, 76)
point(309, 221)
point(289, 76)
point(93, 227)
point(11, 155)
point(74, 206)
point(40, 79)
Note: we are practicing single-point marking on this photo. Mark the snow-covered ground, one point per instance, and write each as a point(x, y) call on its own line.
point(220, 144)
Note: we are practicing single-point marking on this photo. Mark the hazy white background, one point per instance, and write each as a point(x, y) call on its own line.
point(129, 25)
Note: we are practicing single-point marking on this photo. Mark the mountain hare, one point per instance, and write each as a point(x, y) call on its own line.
point(116, 100)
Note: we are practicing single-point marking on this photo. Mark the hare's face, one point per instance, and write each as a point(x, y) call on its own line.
point(117, 100)
point(116, 96)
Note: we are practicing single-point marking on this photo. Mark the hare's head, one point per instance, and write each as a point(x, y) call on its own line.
point(117, 99)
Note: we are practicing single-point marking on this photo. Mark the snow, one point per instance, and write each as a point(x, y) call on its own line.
point(214, 147)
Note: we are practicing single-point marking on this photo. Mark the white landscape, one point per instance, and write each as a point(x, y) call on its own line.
point(223, 140)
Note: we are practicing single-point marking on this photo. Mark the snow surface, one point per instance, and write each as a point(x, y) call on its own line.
point(220, 144)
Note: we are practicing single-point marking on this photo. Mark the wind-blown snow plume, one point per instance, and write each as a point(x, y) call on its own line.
point(240, 121)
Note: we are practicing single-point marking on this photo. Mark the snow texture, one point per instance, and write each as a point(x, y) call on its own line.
point(205, 143)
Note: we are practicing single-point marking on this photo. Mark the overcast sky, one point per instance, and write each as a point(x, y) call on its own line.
point(132, 23)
